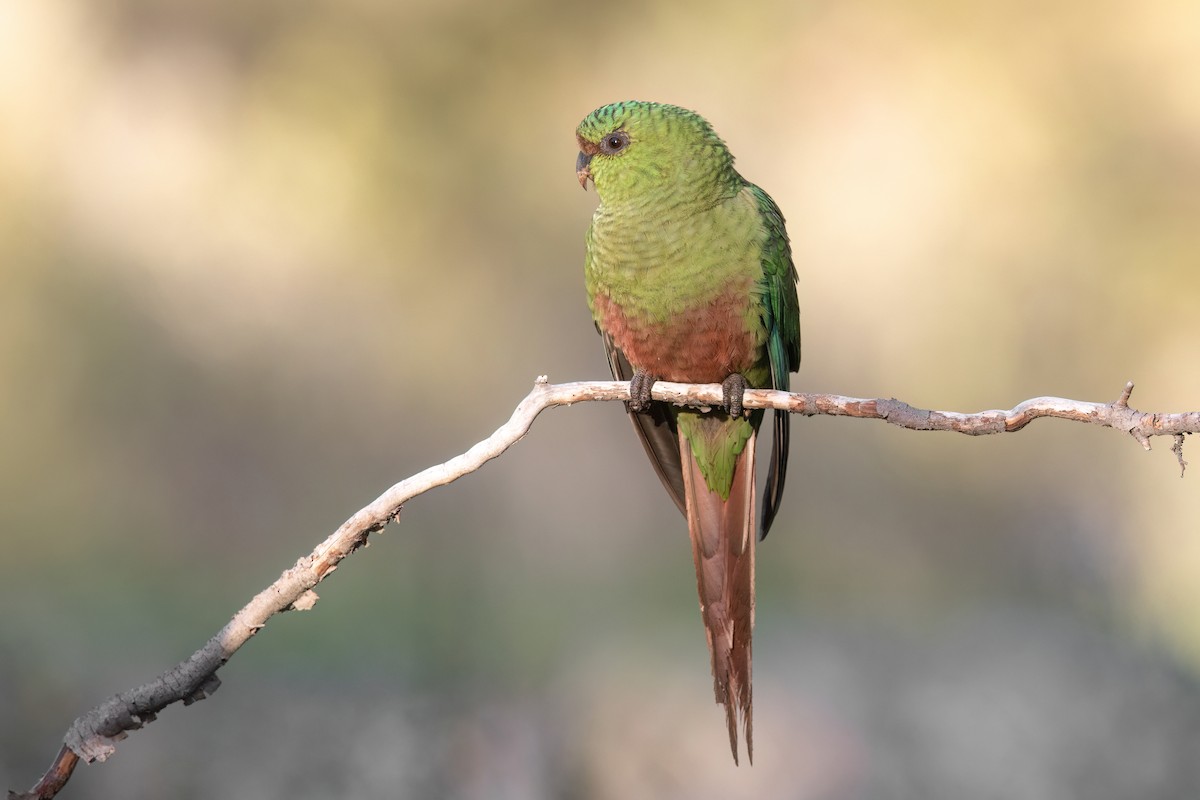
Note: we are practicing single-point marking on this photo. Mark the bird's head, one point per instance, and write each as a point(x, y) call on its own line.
point(635, 149)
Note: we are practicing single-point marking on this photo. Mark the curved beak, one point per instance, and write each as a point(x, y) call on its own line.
point(583, 169)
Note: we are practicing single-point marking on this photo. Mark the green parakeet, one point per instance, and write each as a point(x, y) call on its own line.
point(690, 278)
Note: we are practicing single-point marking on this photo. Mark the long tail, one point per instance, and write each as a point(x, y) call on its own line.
point(723, 537)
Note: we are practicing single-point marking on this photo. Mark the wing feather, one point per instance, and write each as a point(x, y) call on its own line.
point(782, 319)
point(655, 428)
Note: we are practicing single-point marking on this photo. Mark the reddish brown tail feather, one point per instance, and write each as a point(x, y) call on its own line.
point(723, 538)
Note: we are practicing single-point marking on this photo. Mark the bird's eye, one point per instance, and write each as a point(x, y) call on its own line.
point(614, 142)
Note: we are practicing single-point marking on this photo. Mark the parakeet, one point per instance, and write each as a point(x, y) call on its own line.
point(690, 278)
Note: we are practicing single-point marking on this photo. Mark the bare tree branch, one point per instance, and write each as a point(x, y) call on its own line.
point(93, 736)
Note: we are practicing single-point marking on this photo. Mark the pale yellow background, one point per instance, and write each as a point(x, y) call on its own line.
point(260, 260)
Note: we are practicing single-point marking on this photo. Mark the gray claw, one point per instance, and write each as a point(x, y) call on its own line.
point(639, 391)
point(732, 390)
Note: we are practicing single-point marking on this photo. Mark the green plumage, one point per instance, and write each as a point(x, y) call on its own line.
point(688, 267)
point(689, 278)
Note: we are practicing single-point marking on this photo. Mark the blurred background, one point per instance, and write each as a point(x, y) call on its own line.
point(260, 260)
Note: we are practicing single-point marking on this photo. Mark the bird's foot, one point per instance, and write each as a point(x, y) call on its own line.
point(639, 391)
point(733, 389)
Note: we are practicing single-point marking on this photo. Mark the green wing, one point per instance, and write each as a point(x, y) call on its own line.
point(781, 315)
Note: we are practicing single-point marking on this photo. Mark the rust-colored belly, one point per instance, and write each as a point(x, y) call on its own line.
point(703, 344)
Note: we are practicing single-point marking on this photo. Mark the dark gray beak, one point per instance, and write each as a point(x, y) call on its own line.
point(583, 169)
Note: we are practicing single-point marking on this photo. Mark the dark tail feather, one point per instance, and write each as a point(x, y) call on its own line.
point(780, 443)
point(723, 538)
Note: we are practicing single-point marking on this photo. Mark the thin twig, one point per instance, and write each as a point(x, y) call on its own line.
point(1177, 449)
point(93, 736)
